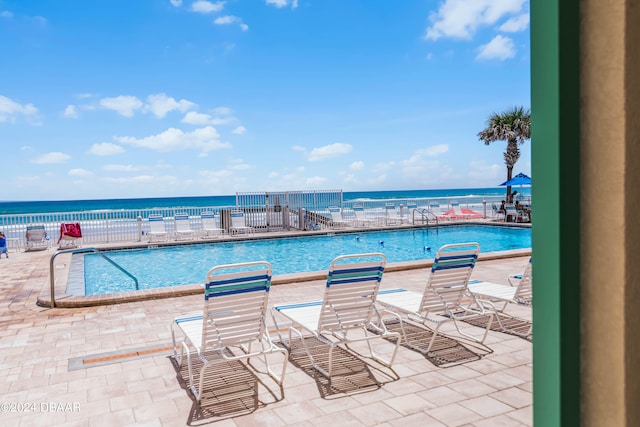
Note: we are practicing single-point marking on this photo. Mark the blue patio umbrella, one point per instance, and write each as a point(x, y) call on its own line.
point(520, 179)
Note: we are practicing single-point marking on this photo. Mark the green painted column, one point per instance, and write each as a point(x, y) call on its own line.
point(555, 145)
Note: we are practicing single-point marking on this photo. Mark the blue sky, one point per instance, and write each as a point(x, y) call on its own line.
point(154, 98)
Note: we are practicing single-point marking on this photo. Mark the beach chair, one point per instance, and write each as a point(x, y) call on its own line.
point(70, 235)
point(182, 227)
point(392, 215)
point(157, 228)
point(36, 238)
point(438, 212)
point(445, 297)
point(512, 214)
point(465, 213)
point(497, 298)
point(238, 224)
point(361, 216)
point(232, 320)
point(210, 224)
point(347, 313)
point(497, 212)
point(337, 220)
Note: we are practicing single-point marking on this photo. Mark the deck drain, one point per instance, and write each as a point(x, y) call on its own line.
point(108, 358)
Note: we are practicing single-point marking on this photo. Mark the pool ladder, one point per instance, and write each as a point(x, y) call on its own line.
point(423, 216)
point(80, 251)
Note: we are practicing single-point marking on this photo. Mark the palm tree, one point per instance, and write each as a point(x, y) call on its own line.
point(513, 126)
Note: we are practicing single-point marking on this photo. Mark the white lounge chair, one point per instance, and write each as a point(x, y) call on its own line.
point(411, 208)
point(445, 298)
point(337, 220)
point(233, 318)
point(497, 298)
point(438, 211)
point(157, 228)
point(210, 224)
point(361, 216)
point(36, 238)
point(238, 224)
point(392, 214)
point(347, 308)
point(513, 213)
point(458, 213)
point(183, 227)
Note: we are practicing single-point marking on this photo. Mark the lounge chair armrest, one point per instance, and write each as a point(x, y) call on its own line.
point(514, 279)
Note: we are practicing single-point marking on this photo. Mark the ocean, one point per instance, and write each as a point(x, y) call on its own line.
point(49, 206)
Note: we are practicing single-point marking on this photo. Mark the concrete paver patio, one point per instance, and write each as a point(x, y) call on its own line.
point(108, 365)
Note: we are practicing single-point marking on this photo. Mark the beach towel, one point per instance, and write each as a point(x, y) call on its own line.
point(70, 230)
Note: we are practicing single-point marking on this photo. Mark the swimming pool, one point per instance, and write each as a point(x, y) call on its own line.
point(188, 264)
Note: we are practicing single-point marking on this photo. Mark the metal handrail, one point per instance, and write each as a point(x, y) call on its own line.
point(424, 214)
point(79, 251)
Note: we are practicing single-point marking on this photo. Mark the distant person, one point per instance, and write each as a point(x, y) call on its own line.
point(512, 196)
point(502, 209)
point(3, 245)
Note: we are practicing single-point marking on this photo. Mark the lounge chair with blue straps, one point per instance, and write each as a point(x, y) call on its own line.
point(157, 228)
point(235, 305)
point(445, 298)
point(497, 297)
point(238, 224)
point(347, 313)
point(337, 219)
point(36, 237)
point(210, 224)
point(183, 228)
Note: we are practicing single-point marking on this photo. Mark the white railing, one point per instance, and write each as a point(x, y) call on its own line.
point(120, 226)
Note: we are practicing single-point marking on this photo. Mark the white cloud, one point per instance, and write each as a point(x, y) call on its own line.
point(80, 172)
point(229, 19)
point(105, 149)
point(176, 3)
point(516, 24)
point(160, 104)
point(481, 172)
point(122, 168)
point(194, 118)
point(6, 14)
point(10, 110)
point(357, 166)
point(146, 180)
point(239, 130)
point(222, 111)
point(202, 119)
point(329, 151)
point(71, 112)
point(123, 104)
point(204, 139)
point(434, 150)
point(499, 48)
point(282, 3)
point(53, 157)
point(202, 6)
point(462, 18)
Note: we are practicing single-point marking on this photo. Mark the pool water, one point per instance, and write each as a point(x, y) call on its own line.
point(188, 264)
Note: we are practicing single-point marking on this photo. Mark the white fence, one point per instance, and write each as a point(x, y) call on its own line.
point(263, 211)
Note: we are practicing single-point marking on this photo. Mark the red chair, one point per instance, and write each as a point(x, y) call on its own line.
point(70, 235)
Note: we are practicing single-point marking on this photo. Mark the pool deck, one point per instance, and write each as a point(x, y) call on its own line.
point(108, 365)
